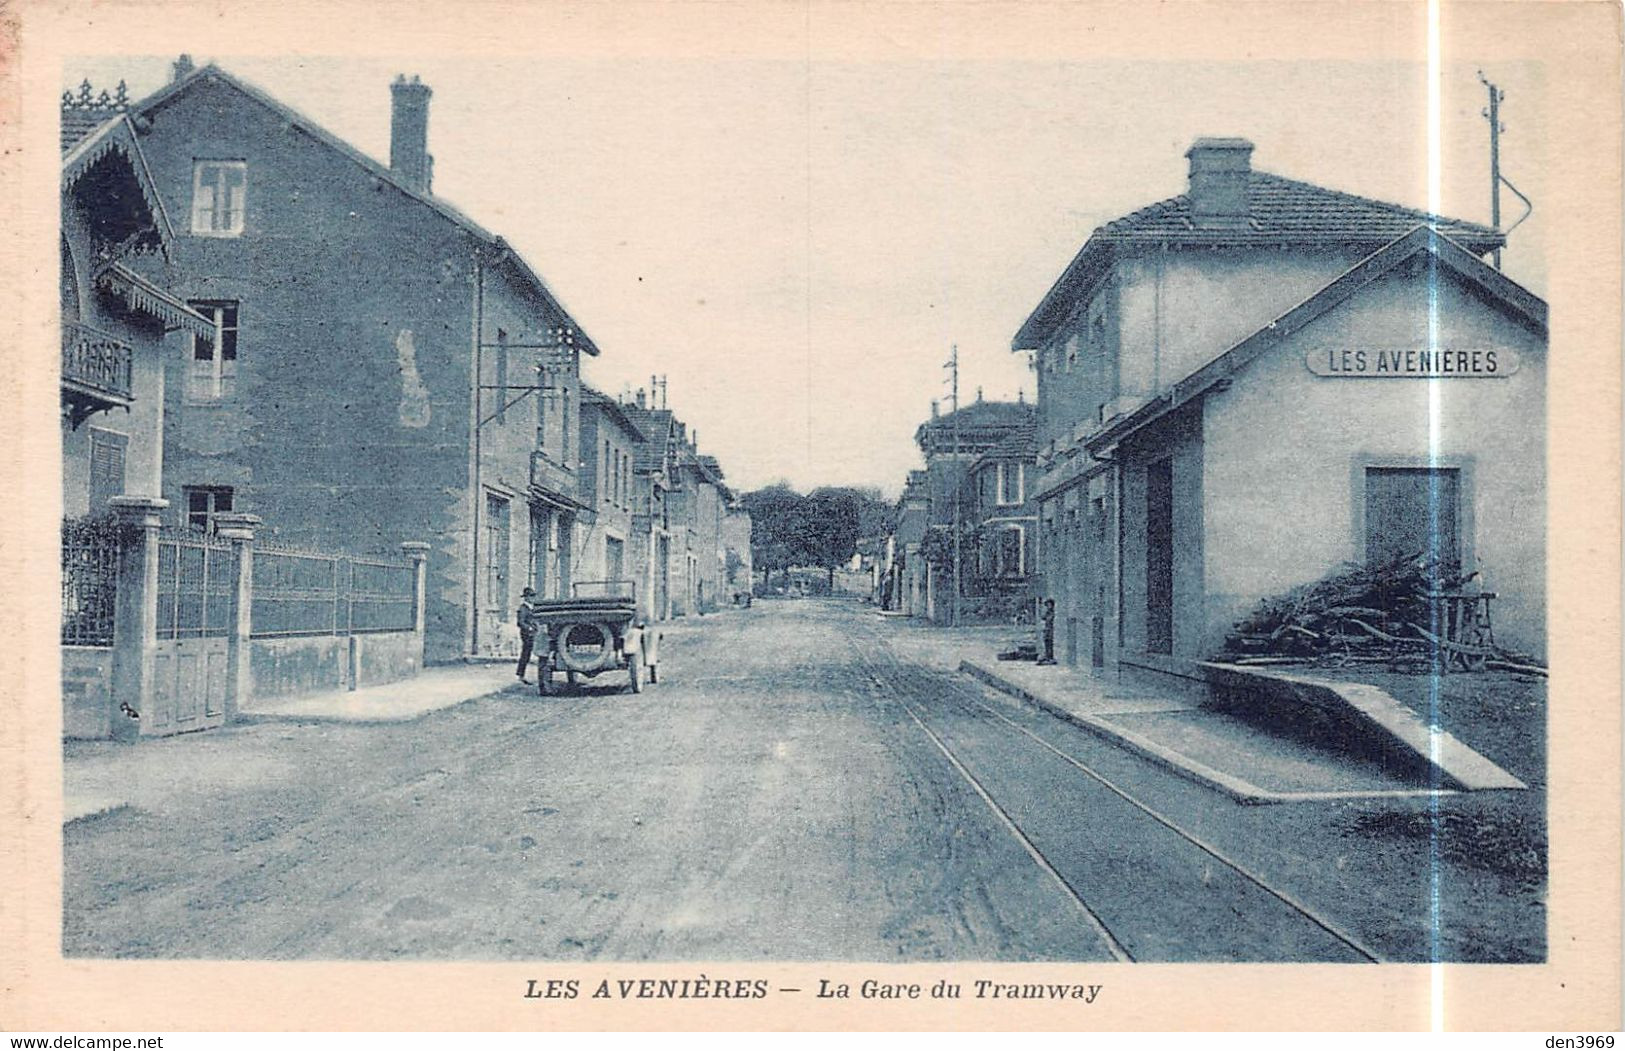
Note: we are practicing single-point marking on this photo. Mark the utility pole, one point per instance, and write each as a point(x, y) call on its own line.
point(958, 482)
point(1493, 115)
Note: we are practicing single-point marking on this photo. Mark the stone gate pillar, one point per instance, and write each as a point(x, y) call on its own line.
point(239, 529)
point(135, 612)
point(418, 552)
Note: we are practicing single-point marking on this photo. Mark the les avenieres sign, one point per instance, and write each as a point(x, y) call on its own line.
point(1412, 363)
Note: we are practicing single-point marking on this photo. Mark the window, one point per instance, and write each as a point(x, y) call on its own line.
point(1412, 512)
point(106, 467)
point(1072, 352)
point(219, 195)
point(213, 367)
point(204, 503)
point(1010, 483)
point(614, 558)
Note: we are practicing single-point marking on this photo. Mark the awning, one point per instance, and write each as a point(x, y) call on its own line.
point(557, 501)
point(140, 294)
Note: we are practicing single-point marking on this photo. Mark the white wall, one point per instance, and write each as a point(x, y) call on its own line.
point(1285, 452)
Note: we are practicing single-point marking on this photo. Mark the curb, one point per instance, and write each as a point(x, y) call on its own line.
point(1243, 792)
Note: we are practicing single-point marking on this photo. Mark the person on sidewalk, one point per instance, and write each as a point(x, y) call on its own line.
point(1049, 632)
point(527, 631)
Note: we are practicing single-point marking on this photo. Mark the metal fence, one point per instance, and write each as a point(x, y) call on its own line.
point(90, 553)
point(197, 585)
point(298, 592)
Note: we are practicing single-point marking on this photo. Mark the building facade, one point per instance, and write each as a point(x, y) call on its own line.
point(951, 445)
point(1234, 399)
point(118, 327)
point(998, 491)
point(382, 368)
point(609, 449)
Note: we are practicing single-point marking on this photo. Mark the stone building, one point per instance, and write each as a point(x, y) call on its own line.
point(653, 468)
point(609, 450)
point(383, 368)
point(1234, 390)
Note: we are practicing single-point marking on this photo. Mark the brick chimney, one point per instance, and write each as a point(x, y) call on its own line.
point(1218, 188)
point(181, 68)
point(409, 134)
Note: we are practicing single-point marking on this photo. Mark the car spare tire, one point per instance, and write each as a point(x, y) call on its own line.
point(586, 647)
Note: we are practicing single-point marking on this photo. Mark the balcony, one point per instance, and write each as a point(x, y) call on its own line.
point(553, 482)
point(97, 372)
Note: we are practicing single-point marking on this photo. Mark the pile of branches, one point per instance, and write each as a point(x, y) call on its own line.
point(1389, 612)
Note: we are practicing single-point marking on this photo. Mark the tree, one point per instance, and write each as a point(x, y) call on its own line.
point(819, 529)
point(776, 527)
point(834, 522)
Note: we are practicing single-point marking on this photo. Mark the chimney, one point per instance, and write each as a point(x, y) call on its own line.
point(933, 408)
point(181, 68)
point(409, 134)
point(978, 394)
point(1218, 188)
point(641, 398)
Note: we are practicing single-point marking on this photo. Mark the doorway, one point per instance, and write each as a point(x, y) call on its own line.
point(1159, 557)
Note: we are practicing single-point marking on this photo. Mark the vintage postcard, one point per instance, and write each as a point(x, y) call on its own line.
point(812, 515)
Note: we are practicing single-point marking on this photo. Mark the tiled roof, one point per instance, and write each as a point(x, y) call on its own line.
point(1021, 444)
point(1280, 211)
point(1280, 207)
point(656, 427)
point(76, 124)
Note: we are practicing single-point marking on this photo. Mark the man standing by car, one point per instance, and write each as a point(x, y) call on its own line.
point(527, 630)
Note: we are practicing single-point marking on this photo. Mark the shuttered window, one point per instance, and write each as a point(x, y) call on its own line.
point(106, 467)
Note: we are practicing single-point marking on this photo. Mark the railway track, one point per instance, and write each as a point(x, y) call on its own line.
point(1148, 887)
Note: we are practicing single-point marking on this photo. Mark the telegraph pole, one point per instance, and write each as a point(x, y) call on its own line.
point(1493, 115)
point(953, 370)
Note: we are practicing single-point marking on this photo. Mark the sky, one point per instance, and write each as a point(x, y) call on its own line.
point(796, 245)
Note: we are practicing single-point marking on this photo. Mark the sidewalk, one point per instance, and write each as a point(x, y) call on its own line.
point(102, 777)
point(437, 687)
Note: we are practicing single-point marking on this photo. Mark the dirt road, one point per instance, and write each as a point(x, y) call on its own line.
point(792, 789)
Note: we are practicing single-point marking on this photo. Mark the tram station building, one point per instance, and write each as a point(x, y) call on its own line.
point(1245, 386)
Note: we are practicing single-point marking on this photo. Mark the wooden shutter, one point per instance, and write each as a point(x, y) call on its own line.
point(106, 468)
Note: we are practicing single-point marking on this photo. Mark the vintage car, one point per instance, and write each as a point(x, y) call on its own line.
point(594, 632)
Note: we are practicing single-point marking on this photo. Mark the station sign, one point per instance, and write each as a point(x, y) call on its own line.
point(1412, 362)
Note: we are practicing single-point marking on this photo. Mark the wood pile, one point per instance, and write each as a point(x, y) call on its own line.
point(1393, 613)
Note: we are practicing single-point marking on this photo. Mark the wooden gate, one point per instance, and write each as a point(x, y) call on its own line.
point(197, 592)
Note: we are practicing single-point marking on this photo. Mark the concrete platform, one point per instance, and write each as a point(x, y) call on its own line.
point(1364, 716)
point(1209, 747)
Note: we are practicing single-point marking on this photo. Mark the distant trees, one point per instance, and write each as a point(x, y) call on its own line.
point(821, 528)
